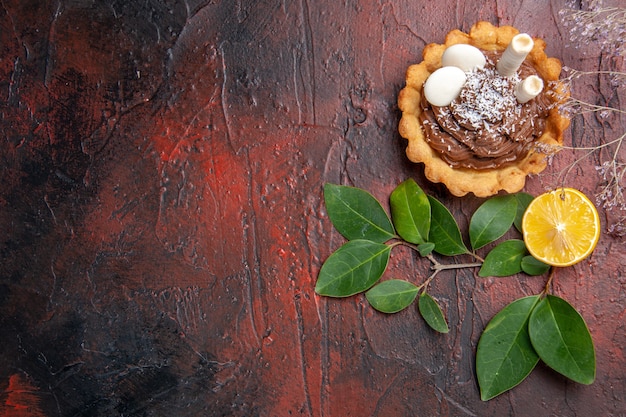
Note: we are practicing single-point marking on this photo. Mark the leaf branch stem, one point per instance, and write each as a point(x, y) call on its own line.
point(548, 287)
point(441, 267)
point(426, 283)
point(475, 256)
point(438, 266)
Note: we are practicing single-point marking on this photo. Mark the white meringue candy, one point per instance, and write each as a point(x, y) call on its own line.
point(463, 56)
point(444, 85)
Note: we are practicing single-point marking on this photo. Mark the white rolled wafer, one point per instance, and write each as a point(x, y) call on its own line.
point(463, 56)
point(528, 88)
point(514, 54)
point(444, 85)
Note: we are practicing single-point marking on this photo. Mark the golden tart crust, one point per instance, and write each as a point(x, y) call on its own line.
point(485, 182)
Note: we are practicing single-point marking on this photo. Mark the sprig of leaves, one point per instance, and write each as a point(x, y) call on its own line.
point(420, 222)
point(527, 330)
point(541, 327)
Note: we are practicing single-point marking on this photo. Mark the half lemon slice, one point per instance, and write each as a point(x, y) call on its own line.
point(561, 227)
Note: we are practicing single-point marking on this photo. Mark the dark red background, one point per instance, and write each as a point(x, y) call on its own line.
point(163, 224)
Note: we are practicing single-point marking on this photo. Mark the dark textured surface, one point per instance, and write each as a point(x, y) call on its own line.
point(163, 225)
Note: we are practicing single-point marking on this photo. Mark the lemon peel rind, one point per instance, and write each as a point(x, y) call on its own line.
point(482, 183)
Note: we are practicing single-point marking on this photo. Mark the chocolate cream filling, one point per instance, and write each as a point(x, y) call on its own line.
point(485, 127)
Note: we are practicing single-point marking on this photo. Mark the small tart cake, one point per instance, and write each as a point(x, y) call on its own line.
point(482, 120)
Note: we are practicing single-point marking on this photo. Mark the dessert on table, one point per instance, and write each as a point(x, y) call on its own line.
point(481, 110)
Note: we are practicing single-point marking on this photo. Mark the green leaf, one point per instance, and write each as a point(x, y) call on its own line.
point(410, 212)
point(504, 260)
point(444, 230)
point(352, 268)
point(426, 249)
point(392, 295)
point(562, 340)
point(356, 214)
point(505, 355)
point(523, 200)
point(492, 220)
point(533, 266)
point(432, 314)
